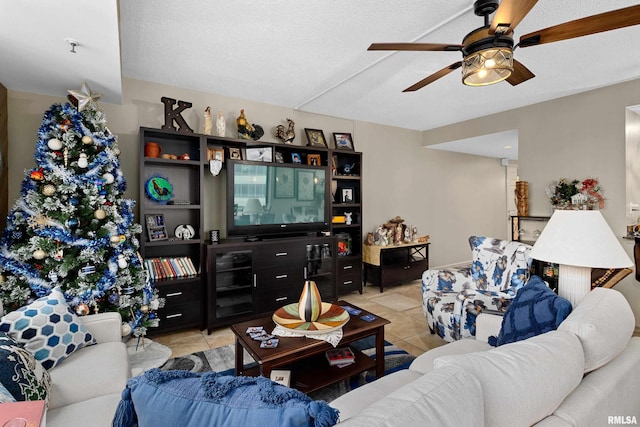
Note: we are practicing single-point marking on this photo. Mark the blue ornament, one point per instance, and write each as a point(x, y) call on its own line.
point(114, 298)
point(16, 235)
point(72, 222)
point(74, 201)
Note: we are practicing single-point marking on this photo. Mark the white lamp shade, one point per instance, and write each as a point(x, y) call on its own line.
point(580, 238)
point(252, 207)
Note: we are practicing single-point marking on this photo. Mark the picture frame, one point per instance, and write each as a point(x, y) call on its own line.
point(295, 158)
point(156, 228)
point(235, 153)
point(284, 184)
point(343, 141)
point(215, 153)
point(279, 158)
point(305, 185)
point(315, 138)
point(314, 160)
point(259, 154)
point(346, 195)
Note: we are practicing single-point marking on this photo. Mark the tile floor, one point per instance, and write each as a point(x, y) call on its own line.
point(400, 304)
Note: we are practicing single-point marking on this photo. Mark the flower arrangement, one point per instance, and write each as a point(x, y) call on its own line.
point(574, 194)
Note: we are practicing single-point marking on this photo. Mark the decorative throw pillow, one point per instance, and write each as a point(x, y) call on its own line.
point(21, 375)
point(5, 395)
point(48, 328)
point(536, 309)
point(183, 398)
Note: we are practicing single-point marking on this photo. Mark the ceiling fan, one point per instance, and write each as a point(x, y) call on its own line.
point(488, 50)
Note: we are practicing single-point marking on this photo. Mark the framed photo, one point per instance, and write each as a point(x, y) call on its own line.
point(315, 137)
point(215, 153)
point(295, 158)
point(285, 185)
point(305, 185)
point(235, 153)
point(346, 195)
point(260, 154)
point(343, 141)
point(314, 160)
point(156, 228)
point(278, 157)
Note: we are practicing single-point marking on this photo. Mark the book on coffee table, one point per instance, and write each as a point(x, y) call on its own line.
point(340, 356)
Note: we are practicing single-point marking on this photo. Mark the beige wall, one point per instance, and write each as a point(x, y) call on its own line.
point(449, 196)
point(578, 136)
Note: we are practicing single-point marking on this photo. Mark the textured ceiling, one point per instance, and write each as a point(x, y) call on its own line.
point(308, 55)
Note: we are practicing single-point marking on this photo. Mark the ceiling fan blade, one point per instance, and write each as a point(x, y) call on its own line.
point(433, 77)
point(613, 20)
point(509, 14)
point(520, 74)
point(416, 47)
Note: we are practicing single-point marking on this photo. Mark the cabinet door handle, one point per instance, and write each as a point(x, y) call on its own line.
point(348, 282)
point(282, 299)
point(282, 254)
point(255, 281)
point(171, 316)
point(282, 276)
point(174, 294)
point(347, 267)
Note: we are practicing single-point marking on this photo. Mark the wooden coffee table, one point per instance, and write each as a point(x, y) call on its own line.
point(305, 357)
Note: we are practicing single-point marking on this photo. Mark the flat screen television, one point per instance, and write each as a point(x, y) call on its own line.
point(272, 199)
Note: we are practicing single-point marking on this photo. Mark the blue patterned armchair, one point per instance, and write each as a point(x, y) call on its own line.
point(453, 298)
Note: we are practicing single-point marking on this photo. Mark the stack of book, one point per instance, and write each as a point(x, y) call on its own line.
point(340, 357)
point(170, 268)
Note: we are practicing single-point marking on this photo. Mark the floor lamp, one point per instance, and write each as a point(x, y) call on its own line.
point(578, 240)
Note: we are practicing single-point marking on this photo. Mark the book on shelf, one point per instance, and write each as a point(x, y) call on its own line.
point(340, 356)
point(161, 268)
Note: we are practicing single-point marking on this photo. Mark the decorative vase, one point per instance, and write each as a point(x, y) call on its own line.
point(522, 198)
point(310, 303)
point(152, 149)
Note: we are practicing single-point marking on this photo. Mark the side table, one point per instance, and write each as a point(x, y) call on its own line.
point(385, 265)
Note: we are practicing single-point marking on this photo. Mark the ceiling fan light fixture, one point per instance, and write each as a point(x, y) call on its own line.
point(488, 66)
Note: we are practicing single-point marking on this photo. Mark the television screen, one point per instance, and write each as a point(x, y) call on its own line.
point(275, 199)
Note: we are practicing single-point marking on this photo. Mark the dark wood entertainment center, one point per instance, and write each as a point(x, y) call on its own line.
point(236, 279)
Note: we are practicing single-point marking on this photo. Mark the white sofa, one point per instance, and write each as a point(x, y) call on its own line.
point(87, 385)
point(586, 373)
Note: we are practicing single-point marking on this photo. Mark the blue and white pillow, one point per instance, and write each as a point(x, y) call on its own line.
point(47, 328)
point(22, 377)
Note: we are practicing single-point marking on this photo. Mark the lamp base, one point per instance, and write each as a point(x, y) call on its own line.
point(574, 283)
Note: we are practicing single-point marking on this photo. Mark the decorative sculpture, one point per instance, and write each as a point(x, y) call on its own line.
point(208, 121)
point(287, 136)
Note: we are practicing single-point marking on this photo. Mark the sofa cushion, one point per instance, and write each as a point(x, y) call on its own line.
point(424, 363)
point(5, 395)
point(550, 364)
point(91, 412)
point(93, 371)
point(536, 309)
point(183, 398)
point(21, 375)
point(358, 399)
point(447, 397)
point(604, 323)
point(48, 328)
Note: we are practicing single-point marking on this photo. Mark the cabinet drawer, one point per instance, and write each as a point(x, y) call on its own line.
point(271, 299)
point(278, 277)
point(179, 293)
point(178, 315)
point(416, 268)
point(281, 254)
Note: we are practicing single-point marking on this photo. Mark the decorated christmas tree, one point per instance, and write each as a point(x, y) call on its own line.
point(72, 227)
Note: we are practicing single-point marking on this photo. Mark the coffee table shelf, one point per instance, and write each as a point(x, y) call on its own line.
point(313, 373)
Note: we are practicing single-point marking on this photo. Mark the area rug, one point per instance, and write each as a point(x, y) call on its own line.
point(222, 361)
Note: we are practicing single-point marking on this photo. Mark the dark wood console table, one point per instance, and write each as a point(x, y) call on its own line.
point(393, 264)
